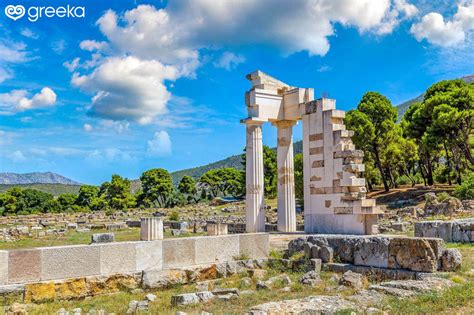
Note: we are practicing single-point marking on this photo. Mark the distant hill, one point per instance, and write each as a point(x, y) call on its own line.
point(402, 108)
point(53, 189)
point(234, 161)
point(35, 178)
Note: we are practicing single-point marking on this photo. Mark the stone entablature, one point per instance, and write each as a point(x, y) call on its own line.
point(334, 192)
point(64, 262)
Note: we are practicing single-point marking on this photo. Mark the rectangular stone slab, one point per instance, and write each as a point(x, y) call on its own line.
point(117, 258)
point(149, 255)
point(24, 266)
point(3, 267)
point(216, 249)
point(69, 262)
point(178, 252)
point(254, 245)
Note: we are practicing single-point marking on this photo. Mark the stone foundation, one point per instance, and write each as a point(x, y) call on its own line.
point(450, 231)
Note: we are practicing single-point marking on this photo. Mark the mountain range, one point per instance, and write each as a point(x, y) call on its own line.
point(35, 178)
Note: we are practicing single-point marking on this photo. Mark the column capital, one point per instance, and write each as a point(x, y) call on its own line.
point(253, 121)
point(284, 123)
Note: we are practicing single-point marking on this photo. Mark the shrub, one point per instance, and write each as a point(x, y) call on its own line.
point(442, 196)
point(174, 216)
point(466, 189)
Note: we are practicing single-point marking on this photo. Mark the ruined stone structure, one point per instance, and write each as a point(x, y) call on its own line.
point(334, 193)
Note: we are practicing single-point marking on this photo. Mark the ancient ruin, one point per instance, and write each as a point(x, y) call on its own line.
point(334, 192)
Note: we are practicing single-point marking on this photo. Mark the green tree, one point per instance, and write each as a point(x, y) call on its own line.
point(117, 193)
point(269, 171)
point(187, 187)
point(372, 122)
point(53, 206)
point(157, 187)
point(223, 181)
point(87, 196)
point(67, 200)
point(299, 179)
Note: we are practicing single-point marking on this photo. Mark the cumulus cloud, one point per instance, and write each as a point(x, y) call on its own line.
point(18, 100)
point(127, 88)
point(160, 145)
point(229, 60)
point(117, 126)
point(27, 32)
point(447, 33)
point(146, 46)
point(59, 46)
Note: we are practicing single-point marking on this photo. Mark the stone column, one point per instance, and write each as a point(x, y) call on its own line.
point(151, 229)
point(286, 177)
point(254, 203)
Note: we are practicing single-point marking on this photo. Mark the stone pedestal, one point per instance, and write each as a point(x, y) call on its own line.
point(254, 203)
point(151, 229)
point(216, 228)
point(286, 179)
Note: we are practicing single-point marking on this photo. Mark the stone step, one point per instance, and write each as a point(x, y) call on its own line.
point(337, 113)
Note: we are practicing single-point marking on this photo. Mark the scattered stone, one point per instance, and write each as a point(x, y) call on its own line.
point(227, 297)
point(150, 297)
point(286, 289)
point(102, 238)
point(225, 291)
point(316, 264)
point(310, 305)
point(184, 299)
point(409, 288)
point(262, 285)
point(326, 254)
point(257, 273)
point(353, 280)
point(310, 278)
point(16, 309)
point(245, 282)
point(451, 260)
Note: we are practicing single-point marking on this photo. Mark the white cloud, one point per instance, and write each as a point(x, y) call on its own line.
point(447, 33)
point(59, 46)
point(146, 46)
point(127, 88)
point(229, 61)
point(324, 68)
point(72, 65)
point(11, 53)
point(17, 156)
point(118, 126)
point(91, 45)
point(27, 32)
point(18, 101)
point(88, 127)
point(160, 145)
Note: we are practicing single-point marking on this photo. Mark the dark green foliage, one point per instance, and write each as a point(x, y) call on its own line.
point(466, 189)
point(157, 187)
point(223, 181)
point(117, 193)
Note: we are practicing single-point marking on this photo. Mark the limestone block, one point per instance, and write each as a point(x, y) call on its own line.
point(216, 249)
point(372, 252)
point(3, 267)
point(157, 279)
point(69, 262)
point(103, 238)
point(178, 252)
point(117, 258)
point(70, 289)
point(39, 292)
point(149, 255)
point(24, 266)
point(112, 284)
point(255, 245)
point(414, 254)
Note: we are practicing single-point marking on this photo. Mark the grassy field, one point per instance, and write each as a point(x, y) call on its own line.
point(72, 237)
point(457, 300)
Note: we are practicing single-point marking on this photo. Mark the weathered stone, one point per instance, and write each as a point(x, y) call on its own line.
point(326, 254)
point(372, 252)
point(413, 254)
point(3, 267)
point(191, 298)
point(24, 266)
point(245, 282)
point(225, 291)
point(257, 273)
point(216, 249)
point(102, 238)
point(309, 305)
point(156, 279)
point(316, 264)
point(353, 280)
point(117, 258)
point(111, 284)
point(260, 285)
point(178, 252)
point(451, 260)
point(16, 309)
point(39, 292)
point(11, 293)
point(149, 255)
point(408, 288)
point(254, 245)
point(71, 289)
point(311, 278)
point(69, 262)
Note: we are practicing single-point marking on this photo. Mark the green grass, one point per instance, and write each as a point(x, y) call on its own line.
point(71, 237)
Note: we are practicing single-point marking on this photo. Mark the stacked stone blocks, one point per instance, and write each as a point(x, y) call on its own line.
point(337, 200)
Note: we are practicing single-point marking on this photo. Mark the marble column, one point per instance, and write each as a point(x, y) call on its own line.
point(286, 178)
point(254, 202)
point(151, 229)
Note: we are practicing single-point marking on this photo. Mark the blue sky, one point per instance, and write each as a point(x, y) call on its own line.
point(134, 85)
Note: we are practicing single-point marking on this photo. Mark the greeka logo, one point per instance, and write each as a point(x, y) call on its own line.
point(16, 12)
